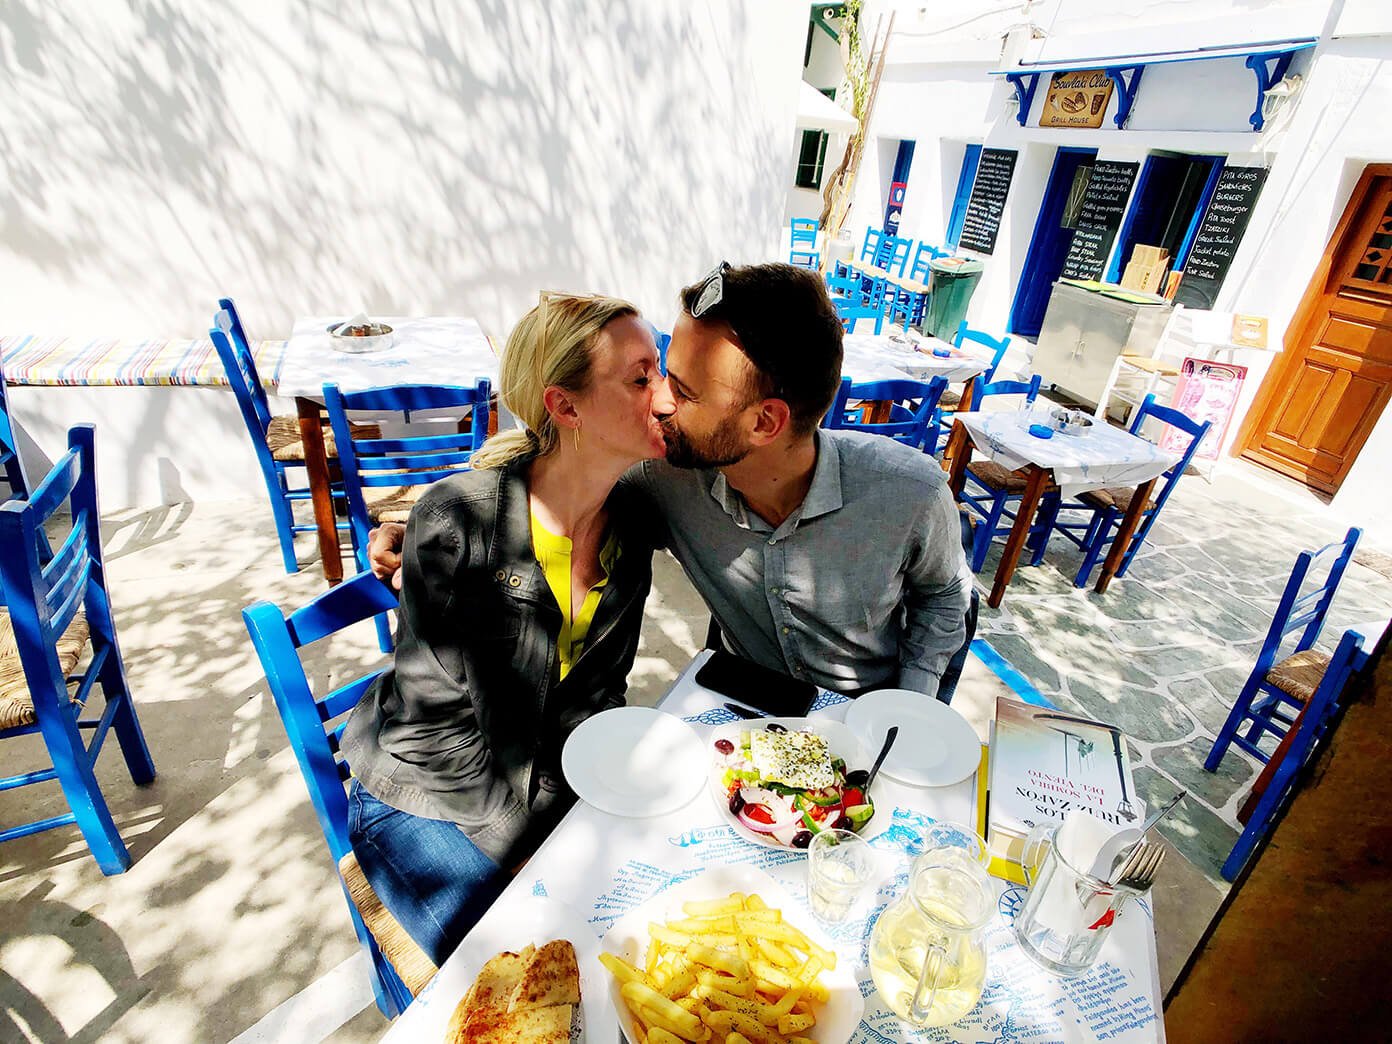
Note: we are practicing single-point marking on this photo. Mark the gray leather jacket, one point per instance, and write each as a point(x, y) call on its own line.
point(469, 724)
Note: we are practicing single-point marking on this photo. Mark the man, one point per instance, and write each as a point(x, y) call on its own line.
point(832, 556)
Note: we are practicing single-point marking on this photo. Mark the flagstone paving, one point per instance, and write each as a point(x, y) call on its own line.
point(1165, 651)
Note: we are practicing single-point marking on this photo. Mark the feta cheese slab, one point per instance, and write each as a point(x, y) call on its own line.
point(795, 759)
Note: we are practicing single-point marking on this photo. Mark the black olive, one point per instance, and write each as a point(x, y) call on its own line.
point(724, 746)
point(802, 839)
point(858, 778)
point(773, 726)
point(736, 803)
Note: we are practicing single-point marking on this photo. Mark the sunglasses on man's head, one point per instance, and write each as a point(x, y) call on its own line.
point(712, 290)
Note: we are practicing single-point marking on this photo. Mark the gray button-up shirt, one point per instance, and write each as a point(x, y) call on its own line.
point(863, 586)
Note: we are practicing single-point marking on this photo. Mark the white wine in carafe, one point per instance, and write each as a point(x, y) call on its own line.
point(899, 952)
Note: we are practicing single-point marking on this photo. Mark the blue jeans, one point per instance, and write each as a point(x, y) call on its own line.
point(427, 873)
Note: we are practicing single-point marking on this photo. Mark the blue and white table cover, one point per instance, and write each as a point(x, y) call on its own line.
point(874, 357)
point(1106, 456)
point(440, 350)
point(601, 866)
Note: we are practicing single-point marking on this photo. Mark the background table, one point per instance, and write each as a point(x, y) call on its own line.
point(873, 357)
point(1107, 456)
point(601, 866)
point(424, 351)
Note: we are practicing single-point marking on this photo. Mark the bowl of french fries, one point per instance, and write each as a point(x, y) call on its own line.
point(731, 958)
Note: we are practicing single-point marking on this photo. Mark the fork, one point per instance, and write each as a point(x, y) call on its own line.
point(1138, 872)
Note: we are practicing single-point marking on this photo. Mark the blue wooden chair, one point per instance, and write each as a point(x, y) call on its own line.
point(803, 244)
point(910, 302)
point(1281, 685)
point(990, 488)
point(276, 440)
point(11, 467)
point(998, 346)
point(384, 477)
point(852, 309)
point(909, 418)
point(663, 341)
point(58, 606)
point(400, 969)
point(1104, 508)
point(1313, 723)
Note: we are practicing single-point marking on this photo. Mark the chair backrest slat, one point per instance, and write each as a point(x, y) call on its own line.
point(42, 592)
point(998, 345)
point(1298, 608)
point(913, 424)
point(925, 253)
point(344, 698)
point(363, 459)
point(1029, 389)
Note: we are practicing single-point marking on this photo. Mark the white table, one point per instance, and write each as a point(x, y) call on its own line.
point(595, 867)
point(874, 357)
point(1105, 457)
point(449, 350)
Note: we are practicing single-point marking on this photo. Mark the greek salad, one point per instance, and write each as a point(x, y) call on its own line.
point(788, 786)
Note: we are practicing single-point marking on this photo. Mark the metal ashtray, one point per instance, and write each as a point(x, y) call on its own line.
point(361, 337)
point(1070, 422)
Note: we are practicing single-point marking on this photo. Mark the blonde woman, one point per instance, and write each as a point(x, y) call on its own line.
point(522, 592)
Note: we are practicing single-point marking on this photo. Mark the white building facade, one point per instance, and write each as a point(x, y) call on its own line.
point(1185, 83)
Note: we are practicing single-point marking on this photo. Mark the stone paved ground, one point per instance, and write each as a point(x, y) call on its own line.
point(1165, 651)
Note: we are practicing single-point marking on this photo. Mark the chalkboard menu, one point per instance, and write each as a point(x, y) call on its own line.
point(987, 201)
point(1099, 217)
point(1219, 235)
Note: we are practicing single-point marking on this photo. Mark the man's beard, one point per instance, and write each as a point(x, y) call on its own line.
point(721, 448)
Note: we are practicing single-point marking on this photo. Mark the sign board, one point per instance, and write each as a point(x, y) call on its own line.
point(987, 201)
point(894, 207)
point(1219, 235)
point(1207, 391)
point(1099, 217)
point(1077, 99)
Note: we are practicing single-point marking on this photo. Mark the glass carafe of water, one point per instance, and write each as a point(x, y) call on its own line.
point(928, 949)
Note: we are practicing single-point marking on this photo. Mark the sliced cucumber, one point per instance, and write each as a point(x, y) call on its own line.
point(859, 815)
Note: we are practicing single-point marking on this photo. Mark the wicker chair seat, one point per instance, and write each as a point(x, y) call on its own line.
point(1299, 676)
point(392, 503)
point(412, 965)
point(950, 398)
point(1118, 498)
point(283, 437)
point(995, 476)
point(16, 705)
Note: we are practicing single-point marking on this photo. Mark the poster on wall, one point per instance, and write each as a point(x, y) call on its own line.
point(987, 201)
point(1077, 99)
point(1207, 391)
point(1099, 217)
point(895, 207)
point(1219, 235)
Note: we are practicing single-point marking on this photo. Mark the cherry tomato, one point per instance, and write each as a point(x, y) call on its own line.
point(758, 813)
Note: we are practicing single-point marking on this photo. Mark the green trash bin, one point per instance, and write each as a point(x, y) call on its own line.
point(954, 281)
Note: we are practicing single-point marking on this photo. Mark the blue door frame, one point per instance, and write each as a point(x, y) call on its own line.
point(1128, 235)
point(1048, 245)
point(965, 180)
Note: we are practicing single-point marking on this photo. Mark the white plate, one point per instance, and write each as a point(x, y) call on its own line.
point(628, 939)
point(936, 745)
point(841, 740)
point(511, 926)
point(634, 761)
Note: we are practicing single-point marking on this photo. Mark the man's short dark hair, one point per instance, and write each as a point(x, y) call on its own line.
point(785, 324)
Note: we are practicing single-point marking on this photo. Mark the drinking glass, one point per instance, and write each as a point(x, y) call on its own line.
point(839, 868)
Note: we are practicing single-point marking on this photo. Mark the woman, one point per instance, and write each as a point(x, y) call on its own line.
point(522, 594)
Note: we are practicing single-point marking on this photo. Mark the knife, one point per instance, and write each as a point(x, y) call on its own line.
point(744, 712)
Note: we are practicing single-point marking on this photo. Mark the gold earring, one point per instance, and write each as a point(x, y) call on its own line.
point(576, 429)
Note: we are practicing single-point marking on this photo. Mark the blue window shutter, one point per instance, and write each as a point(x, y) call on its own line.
point(964, 187)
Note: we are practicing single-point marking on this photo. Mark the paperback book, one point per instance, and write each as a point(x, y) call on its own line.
point(1045, 763)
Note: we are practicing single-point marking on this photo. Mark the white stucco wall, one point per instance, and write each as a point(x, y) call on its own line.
point(410, 160)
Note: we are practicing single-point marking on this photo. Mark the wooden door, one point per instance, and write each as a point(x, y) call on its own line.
point(1323, 396)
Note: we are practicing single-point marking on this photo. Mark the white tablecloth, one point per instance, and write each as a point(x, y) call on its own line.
point(873, 357)
point(598, 867)
point(1106, 456)
point(445, 350)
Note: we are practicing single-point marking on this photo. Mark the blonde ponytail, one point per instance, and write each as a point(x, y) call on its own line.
point(552, 344)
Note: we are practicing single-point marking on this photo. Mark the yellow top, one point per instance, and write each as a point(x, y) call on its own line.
point(553, 555)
